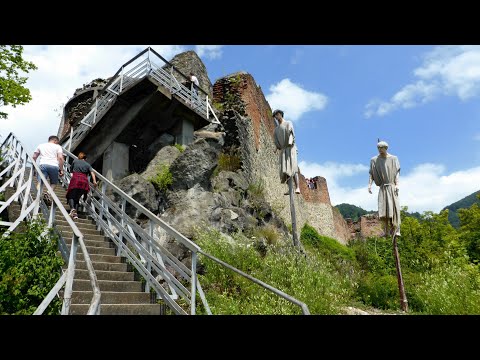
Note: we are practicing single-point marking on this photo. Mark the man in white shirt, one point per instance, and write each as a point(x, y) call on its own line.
point(194, 80)
point(51, 161)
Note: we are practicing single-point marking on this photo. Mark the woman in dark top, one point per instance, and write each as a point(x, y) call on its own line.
point(78, 185)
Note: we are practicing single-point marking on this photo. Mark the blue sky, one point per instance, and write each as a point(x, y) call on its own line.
point(423, 100)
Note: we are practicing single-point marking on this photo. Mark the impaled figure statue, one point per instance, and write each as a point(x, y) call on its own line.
point(285, 142)
point(385, 172)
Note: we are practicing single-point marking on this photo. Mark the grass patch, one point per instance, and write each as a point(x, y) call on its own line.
point(228, 162)
point(328, 247)
point(310, 279)
point(269, 233)
point(180, 148)
point(256, 198)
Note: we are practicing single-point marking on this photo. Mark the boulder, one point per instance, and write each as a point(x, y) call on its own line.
point(226, 180)
point(140, 190)
point(162, 141)
point(166, 156)
point(195, 165)
point(190, 208)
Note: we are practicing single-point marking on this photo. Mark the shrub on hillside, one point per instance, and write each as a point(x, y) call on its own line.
point(329, 247)
point(163, 178)
point(30, 267)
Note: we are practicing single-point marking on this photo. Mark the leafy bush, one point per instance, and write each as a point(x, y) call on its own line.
point(310, 279)
point(379, 291)
point(30, 267)
point(449, 289)
point(163, 179)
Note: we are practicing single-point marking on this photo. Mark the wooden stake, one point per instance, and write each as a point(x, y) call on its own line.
point(403, 296)
point(296, 243)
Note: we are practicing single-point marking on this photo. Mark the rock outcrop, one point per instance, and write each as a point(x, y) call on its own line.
point(166, 156)
point(189, 61)
point(196, 165)
point(140, 190)
point(163, 140)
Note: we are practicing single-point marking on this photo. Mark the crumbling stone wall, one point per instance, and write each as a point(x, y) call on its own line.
point(247, 116)
point(79, 105)
point(366, 226)
point(318, 195)
point(370, 225)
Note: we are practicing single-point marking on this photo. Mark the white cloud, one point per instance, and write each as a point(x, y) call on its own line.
point(209, 51)
point(331, 170)
point(294, 100)
point(476, 137)
point(446, 70)
point(61, 70)
point(426, 187)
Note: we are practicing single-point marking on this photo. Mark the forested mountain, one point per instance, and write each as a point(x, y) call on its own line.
point(351, 211)
point(464, 203)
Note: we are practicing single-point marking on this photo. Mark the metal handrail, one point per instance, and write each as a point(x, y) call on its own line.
point(280, 293)
point(124, 79)
point(30, 208)
point(120, 227)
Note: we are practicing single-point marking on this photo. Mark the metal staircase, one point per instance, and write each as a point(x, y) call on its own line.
point(146, 64)
point(108, 237)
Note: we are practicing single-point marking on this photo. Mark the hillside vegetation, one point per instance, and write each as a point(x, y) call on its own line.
point(440, 265)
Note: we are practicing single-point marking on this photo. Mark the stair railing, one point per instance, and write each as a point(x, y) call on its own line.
point(20, 168)
point(146, 63)
point(165, 274)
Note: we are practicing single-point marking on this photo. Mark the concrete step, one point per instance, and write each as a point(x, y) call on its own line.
point(93, 243)
point(102, 266)
point(80, 225)
point(68, 230)
point(107, 285)
point(94, 250)
point(87, 237)
point(59, 217)
point(100, 258)
point(105, 275)
point(109, 297)
point(118, 309)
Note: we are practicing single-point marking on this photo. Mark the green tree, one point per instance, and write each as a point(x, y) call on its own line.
point(12, 89)
point(470, 230)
